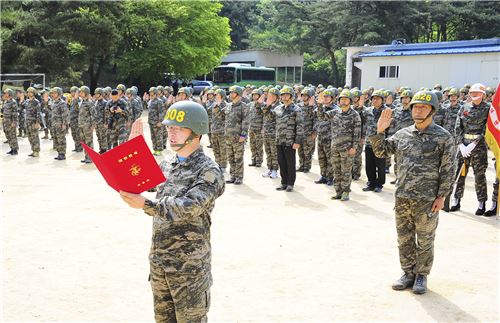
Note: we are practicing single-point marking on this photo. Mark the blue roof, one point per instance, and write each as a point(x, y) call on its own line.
point(455, 47)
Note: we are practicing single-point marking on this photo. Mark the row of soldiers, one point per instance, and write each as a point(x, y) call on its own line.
point(109, 112)
point(334, 122)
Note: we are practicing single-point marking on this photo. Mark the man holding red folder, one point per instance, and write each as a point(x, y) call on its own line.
point(180, 256)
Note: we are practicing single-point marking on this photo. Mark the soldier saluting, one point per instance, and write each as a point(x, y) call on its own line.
point(425, 154)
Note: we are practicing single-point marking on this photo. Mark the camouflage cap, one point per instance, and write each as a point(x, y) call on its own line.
point(121, 87)
point(210, 91)
point(464, 90)
point(307, 91)
point(378, 93)
point(438, 86)
point(274, 90)
point(257, 91)
point(85, 90)
point(74, 89)
point(129, 91)
point(407, 93)
point(453, 91)
point(356, 93)
point(286, 90)
point(160, 88)
point(221, 92)
point(154, 90)
point(9, 92)
point(31, 90)
point(187, 114)
point(184, 90)
point(439, 95)
point(425, 97)
point(57, 90)
point(99, 90)
point(345, 94)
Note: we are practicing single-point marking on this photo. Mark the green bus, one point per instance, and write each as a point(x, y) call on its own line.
point(231, 74)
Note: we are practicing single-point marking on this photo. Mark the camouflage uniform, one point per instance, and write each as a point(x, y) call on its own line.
point(236, 126)
point(324, 130)
point(101, 115)
point(374, 166)
point(33, 117)
point(10, 122)
point(346, 134)
point(401, 118)
point(306, 150)
point(86, 122)
point(289, 131)
point(48, 118)
point(425, 172)
point(21, 106)
point(269, 129)
point(450, 120)
point(163, 130)
point(255, 133)
point(60, 118)
point(117, 122)
point(357, 162)
point(208, 105)
point(180, 255)
point(73, 123)
point(470, 127)
point(155, 116)
point(217, 130)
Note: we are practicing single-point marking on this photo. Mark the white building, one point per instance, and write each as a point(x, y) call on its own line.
point(288, 66)
point(451, 63)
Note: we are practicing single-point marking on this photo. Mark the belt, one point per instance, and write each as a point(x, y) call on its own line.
point(471, 137)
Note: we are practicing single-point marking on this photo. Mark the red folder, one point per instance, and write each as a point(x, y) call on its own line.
point(129, 167)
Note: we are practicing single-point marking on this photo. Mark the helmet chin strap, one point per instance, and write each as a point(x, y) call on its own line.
point(187, 142)
point(424, 119)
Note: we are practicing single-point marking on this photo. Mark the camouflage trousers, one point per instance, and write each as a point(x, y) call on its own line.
point(11, 135)
point(88, 138)
point(256, 146)
point(178, 298)
point(342, 170)
point(306, 151)
point(234, 152)
point(416, 228)
point(357, 162)
point(219, 149)
point(33, 136)
point(118, 135)
point(271, 152)
point(59, 139)
point(102, 137)
point(48, 126)
point(156, 136)
point(76, 134)
point(22, 124)
point(325, 160)
point(479, 162)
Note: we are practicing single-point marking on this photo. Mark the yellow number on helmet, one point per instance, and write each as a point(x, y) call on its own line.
point(172, 114)
point(428, 98)
point(180, 116)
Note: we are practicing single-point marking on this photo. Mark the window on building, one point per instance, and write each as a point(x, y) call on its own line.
point(391, 72)
point(297, 74)
point(281, 74)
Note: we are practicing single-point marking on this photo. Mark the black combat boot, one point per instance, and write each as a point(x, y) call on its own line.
point(282, 187)
point(481, 209)
point(14, 152)
point(289, 188)
point(231, 181)
point(404, 282)
point(329, 182)
point(252, 164)
point(300, 169)
point(420, 285)
point(321, 180)
point(492, 211)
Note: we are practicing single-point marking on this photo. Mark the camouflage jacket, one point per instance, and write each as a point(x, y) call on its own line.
point(346, 127)
point(256, 116)
point(33, 111)
point(289, 125)
point(471, 120)
point(324, 125)
point(401, 118)
point(440, 116)
point(155, 111)
point(60, 113)
point(101, 113)
point(309, 118)
point(426, 161)
point(218, 119)
point(450, 119)
point(269, 120)
point(208, 105)
point(181, 215)
point(10, 113)
point(73, 110)
point(361, 110)
point(372, 116)
point(117, 118)
point(86, 114)
point(236, 123)
point(135, 109)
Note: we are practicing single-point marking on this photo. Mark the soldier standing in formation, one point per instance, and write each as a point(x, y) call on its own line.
point(425, 157)
point(60, 122)
point(358, 106)
point(308, 109)
point(324, 129)
point(180, 257)
point(86, 120)
point(117, 122)
point(73, 118)
point(255, 116)
point(155, 112)
point(217, 129)
point(470, 129)
point(289, 137)
point(269, 130)
point(101, 116)
point(33, 121)
point(10, 120)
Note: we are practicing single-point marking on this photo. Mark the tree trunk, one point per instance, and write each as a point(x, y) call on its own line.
point(335, 69)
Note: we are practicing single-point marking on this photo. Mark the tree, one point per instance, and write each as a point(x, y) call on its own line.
point(177, 37)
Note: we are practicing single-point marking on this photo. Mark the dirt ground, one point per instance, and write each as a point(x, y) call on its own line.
point(73, 251)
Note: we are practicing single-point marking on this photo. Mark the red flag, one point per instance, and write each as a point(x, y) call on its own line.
point(493, 128)
point(129, 167)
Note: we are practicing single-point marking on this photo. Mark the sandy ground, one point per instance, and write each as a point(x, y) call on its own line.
point(73, 251)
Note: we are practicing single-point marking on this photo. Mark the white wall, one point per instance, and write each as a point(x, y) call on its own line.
point(264, 58)
point(427, 70)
